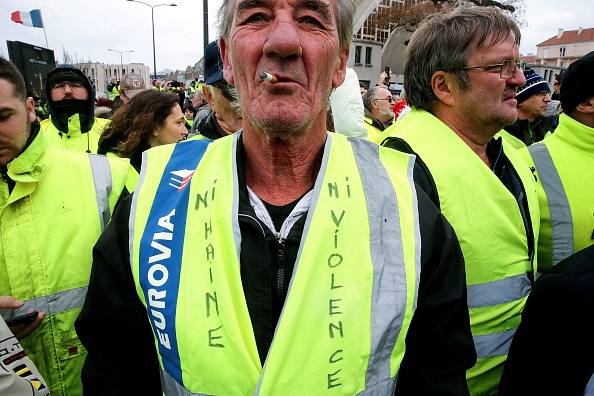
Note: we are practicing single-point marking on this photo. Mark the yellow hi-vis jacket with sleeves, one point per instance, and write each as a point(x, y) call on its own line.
point(492, 234)
point(74, 140)
point(564, 171)
point(49, 224)
point(348, 309)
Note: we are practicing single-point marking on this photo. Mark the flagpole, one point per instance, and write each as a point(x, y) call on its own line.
point(44, 33)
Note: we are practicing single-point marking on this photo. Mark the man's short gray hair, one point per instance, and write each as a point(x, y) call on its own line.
point(370, 95)
point(445, 41)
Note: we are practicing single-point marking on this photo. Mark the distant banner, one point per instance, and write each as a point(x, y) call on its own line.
point(32, 19)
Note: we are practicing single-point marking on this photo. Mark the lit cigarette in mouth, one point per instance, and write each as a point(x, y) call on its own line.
point(268, 77)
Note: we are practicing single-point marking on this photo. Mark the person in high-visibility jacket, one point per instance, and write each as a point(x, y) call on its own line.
point(562, 165)
point(54, 204)
point(71, 103)
point(282, 259)
point(461, 90)
point(113, 88)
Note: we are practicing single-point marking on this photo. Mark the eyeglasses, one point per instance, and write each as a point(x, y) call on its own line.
point(390, 99)
point(542, 94)
point(71, 84)
point(507, 68)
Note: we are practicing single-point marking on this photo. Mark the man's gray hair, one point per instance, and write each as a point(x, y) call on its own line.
point(345, 10)
point(445, 41)
point(370, 95)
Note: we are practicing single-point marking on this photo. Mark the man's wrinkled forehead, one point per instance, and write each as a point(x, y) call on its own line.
point(323, 7)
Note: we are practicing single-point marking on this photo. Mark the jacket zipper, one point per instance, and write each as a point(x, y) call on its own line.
point(280, 272)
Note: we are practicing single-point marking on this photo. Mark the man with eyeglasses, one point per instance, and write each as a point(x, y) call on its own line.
point(223, 119)
point(461, 77)
point(71, 103)
point(533, 101)
point(378, 103)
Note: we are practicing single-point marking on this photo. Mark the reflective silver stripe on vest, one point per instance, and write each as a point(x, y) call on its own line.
point(387, 309)
point(495, 344)
point(103, 185)
point(498, 292)
point(561, 220)
point(488, 294)
point(58, 302)
point(172, 388)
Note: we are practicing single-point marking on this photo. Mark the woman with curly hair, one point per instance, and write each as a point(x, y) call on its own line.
point(151, 118)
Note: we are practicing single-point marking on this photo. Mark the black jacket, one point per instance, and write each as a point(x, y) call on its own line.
point(552, 351)
point(531, 132)
point(209, 127)
point(113, 324)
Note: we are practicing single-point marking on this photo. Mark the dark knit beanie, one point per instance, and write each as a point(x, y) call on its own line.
point(534, 84)
point(577, 83)
point(66, 75)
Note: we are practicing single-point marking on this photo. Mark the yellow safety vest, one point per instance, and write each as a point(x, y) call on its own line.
point(49, 224)
point(114, 93)
point(563, 164)
point(343, 309)
point(74, 140)
point(490, 228)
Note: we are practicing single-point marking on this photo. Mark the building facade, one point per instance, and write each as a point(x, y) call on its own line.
point(101, 73)
point(555, 54)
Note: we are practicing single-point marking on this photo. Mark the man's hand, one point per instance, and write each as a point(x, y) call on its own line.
point(21, 330)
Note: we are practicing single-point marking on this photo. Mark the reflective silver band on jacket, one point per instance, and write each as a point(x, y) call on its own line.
point(103, 186)
point(74, 298)
point(561, 220)
point(498, 292)
point(56, 303)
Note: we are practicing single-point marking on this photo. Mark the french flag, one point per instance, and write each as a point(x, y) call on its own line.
point(32, 19)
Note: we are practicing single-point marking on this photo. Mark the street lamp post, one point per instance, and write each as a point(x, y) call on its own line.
point(152, 7)
point(121, 62)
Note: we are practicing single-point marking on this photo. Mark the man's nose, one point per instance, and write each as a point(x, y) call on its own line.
point(283, 38)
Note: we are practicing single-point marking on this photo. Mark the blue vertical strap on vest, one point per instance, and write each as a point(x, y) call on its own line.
point(103, 185)
point(387, 255)
point(161, 255)
point(561, 220)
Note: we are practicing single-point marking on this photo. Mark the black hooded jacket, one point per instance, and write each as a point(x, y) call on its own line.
point(60, 112)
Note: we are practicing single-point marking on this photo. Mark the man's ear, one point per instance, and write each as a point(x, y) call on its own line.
point(586, 106)
point(340, 72)
point(226, 57)
point(443, 86)
point(208, 95)
point(30, 104)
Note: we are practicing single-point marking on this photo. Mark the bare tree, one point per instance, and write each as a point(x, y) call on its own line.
point(409, 14)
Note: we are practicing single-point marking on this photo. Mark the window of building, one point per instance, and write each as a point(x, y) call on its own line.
point(358, 50)
point(368, 56)
point(546, 75)
point(561, 51)
point(545, 53)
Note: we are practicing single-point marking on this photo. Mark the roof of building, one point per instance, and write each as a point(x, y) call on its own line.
point(530, 58)
point(570, 36)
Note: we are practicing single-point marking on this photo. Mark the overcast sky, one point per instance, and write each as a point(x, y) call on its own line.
point(86, 29)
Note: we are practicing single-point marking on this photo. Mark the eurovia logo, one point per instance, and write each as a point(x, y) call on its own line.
point(181, 178)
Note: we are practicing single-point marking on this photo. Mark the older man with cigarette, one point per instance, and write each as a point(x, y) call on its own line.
point(311, 258)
